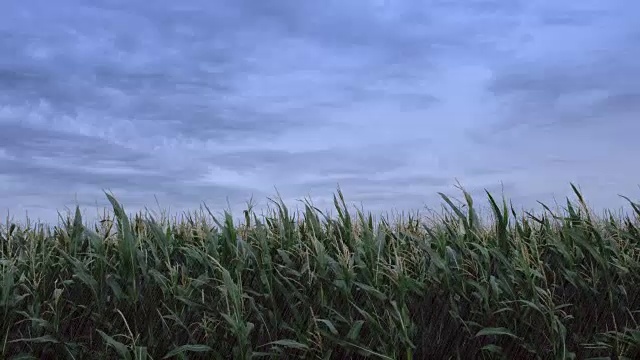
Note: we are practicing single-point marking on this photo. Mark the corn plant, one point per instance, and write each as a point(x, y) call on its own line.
point(551, 285)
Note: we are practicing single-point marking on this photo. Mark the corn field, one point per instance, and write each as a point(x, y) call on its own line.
point(554, 285)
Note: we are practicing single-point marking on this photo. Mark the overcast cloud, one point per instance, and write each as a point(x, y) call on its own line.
point(219, 101)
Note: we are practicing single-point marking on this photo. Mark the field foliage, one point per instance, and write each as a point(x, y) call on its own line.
point(554, 285)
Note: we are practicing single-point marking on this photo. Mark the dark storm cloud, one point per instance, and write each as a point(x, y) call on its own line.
point(225, 99)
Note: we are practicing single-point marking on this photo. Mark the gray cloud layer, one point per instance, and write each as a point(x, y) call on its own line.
point(221, 100)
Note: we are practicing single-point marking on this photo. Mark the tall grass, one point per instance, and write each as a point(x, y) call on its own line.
point(526, 286)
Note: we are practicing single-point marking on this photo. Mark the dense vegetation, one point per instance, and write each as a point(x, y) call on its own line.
point(525, 286)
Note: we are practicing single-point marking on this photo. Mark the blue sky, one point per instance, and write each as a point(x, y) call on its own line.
point(219, 101)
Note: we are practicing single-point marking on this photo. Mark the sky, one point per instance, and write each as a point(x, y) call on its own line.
point(169, 104)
